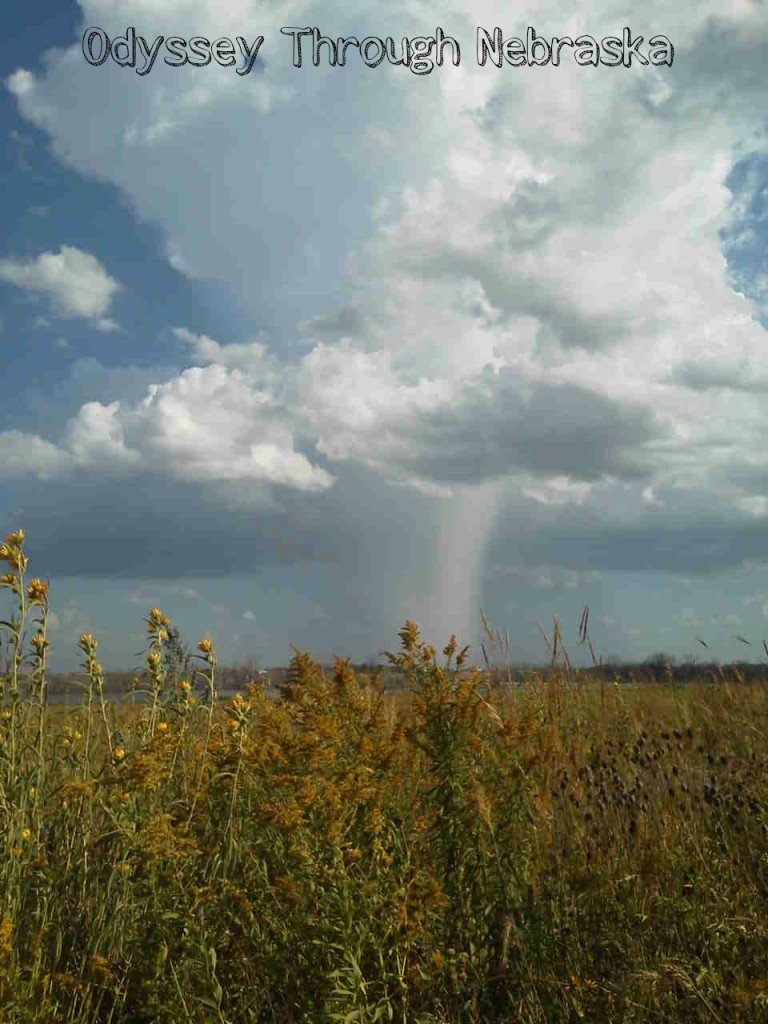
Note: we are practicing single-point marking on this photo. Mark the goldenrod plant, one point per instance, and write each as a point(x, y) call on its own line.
point(474, 848)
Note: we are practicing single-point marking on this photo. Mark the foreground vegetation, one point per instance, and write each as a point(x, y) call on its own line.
point(460, 853)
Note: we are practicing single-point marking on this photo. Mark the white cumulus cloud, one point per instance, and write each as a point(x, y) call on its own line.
point(75, 281)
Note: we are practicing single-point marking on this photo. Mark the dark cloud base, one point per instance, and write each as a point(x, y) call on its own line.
point(154, 528)
point(703, 548)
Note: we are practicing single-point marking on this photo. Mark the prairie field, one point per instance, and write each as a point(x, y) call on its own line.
point(561, 851)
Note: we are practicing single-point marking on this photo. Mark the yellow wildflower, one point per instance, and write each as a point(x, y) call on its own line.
point(37, 591)
point(6, 941)
point(484, 808)
point(88, 643)
point(161, 727)
point(26, 834)
point(118, 754)
point(160, 840)
point(375, 821)
point(40, 643)
point(100, 967)
point(73, 789)
point(13, 557)
point(205, 646)
point(156, 620)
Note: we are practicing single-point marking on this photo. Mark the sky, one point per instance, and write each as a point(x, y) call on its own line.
point(302, 353)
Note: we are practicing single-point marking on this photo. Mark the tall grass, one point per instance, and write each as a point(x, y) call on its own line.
point(465, 852)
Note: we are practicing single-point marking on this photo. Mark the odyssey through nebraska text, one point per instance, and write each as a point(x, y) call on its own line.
point(420, 54)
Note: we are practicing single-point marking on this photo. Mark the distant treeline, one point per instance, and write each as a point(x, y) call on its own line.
point(657, 669)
